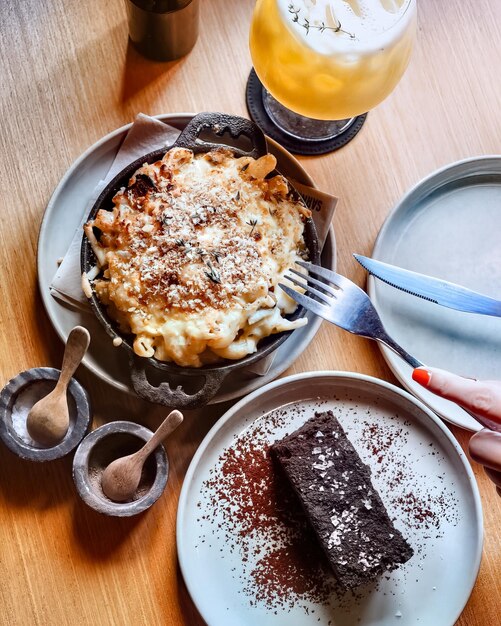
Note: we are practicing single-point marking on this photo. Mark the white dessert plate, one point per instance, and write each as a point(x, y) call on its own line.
point(448, 226)
point(62, 217)
point(420, 471)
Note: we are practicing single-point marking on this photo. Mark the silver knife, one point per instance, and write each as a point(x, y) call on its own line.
point(434, 289)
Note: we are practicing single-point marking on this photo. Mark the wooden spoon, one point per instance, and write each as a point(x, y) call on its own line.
point(121, 478)
point(48, 420)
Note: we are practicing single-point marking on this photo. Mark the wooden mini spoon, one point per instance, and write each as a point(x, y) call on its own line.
point(48, 420)
point(121, 478)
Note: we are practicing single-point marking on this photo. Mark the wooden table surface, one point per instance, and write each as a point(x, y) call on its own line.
point(68, 77)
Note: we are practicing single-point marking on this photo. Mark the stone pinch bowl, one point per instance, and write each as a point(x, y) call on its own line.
point(16, 400)
point(104, 445)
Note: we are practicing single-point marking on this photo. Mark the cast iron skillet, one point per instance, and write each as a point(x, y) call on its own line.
point(213, 375)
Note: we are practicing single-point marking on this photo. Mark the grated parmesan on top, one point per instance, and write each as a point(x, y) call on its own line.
point(203, 239)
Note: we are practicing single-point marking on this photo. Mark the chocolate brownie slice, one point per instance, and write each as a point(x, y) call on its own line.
point(341, 504)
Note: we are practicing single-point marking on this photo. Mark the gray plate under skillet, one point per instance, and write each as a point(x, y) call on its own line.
point(62, 217)
point(448, 226)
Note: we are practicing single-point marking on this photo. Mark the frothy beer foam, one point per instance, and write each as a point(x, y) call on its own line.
point(365, 25)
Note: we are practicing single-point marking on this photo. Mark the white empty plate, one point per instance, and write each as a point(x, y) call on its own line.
point(448, 226)
point(417, 466)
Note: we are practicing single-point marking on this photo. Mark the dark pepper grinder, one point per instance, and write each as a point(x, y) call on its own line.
point(163, 30)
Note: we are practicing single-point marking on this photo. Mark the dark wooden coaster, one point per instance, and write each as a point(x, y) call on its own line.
point(254, 99)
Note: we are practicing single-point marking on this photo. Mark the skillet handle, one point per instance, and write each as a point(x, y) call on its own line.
point(164, 394)
point(219, 123)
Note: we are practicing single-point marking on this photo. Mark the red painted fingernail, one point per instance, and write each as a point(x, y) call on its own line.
point(421, 376)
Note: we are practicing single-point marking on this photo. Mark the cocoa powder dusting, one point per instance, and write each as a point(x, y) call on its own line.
point(255, 499)
point(423, 510)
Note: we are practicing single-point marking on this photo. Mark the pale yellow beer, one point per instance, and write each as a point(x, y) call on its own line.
point(331, 59)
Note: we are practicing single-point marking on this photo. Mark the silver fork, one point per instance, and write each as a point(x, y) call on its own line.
point(346, 305)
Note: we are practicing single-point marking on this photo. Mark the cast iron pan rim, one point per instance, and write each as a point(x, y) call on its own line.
point(105, 201)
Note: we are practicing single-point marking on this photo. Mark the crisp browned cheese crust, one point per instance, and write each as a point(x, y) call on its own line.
point(192, 253)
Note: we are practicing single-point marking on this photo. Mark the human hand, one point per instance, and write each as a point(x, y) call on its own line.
point(482, 398)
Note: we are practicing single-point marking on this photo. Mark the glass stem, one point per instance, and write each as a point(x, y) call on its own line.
point(301, 127)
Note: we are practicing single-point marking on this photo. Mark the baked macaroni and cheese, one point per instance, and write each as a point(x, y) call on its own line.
point(190, 257)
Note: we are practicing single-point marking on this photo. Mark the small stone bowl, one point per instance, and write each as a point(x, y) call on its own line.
point(104, 445)
point(16, 400)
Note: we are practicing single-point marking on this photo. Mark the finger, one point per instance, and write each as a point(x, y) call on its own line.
point(480, 397)
point(485, 448)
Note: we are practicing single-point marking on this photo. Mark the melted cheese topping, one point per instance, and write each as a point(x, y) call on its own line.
point(192, 254)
